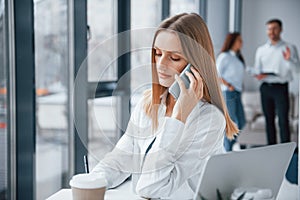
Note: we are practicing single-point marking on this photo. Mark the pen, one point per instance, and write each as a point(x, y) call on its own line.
point(86, 163)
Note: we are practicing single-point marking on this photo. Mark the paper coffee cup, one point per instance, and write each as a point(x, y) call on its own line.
point(88, 186)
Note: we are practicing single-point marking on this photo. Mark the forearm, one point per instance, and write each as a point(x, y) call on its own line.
point(114, 177)
point(227, 84)
point(118, 164)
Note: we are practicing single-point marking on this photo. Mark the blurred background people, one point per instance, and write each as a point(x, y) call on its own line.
point(275, 61)
point(231, 67)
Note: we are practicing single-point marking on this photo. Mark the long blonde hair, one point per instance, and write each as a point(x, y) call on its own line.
point(198, 49)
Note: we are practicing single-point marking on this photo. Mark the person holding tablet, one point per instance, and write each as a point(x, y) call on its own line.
point(168, 141)
point(276, 61)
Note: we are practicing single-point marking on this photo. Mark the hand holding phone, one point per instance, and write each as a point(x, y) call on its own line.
point(174, 89)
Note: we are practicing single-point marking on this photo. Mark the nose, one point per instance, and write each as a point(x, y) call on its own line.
point(162, 62)
point(272, 30)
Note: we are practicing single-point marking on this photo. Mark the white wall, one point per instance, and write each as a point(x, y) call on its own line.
point(255, 13)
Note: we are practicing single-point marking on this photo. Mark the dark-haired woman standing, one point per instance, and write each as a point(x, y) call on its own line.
point(231, 67)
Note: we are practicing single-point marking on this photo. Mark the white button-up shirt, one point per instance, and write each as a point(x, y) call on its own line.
point(175, 161)
point(269, 59)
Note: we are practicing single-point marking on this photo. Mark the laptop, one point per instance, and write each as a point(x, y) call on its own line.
point(260, 167)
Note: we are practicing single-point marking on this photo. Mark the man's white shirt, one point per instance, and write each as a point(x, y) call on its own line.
point(269, 59)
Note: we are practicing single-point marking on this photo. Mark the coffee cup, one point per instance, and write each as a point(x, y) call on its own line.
point(88, 186)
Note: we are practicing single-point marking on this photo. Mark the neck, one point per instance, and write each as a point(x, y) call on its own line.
point(275, 41)
point(170, 102)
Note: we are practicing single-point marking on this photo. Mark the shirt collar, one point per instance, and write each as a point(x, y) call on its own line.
point(232, 52)
point(277, 44)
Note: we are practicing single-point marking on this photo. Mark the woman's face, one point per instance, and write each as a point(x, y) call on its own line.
point(168, 57)
point(238, 43)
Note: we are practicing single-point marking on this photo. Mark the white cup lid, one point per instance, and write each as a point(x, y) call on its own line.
point(253, 193)
point(88, 181)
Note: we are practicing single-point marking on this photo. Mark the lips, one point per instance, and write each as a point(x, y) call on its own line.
point(162, 75)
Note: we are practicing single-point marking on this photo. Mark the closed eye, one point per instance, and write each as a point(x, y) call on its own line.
point(175, 59)
point(157, 52)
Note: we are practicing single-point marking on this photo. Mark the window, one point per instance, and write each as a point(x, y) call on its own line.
point(178, 6)
point(3, 109)
point(101, 43)
point(145, 17)
point(102, 67)
point(51, 68)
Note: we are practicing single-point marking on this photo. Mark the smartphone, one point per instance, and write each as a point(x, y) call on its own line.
point(174, 89)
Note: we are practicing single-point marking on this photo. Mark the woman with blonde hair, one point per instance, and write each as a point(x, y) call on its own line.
point(169, 140)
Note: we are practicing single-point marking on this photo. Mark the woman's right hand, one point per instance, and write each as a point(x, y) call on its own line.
point(231, 88)
point(188, 98)
point(260, 76)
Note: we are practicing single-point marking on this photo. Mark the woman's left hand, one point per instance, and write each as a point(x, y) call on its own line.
point(189, 97)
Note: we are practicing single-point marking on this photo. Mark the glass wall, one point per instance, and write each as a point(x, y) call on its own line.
point(101, 45)
point(51, 68)
point(188, 6)
point(145, 17)
point(103, 128)
point(3, 109)
point(102, 67)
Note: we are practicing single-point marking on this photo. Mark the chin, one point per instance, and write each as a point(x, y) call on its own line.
point(166, 83)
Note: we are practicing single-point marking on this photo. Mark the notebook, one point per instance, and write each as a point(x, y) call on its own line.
point(260, 167)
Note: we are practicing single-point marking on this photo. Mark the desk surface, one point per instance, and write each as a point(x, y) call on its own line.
point(111, 194)
point(287, 191)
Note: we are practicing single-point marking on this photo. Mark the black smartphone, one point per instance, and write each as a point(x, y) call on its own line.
point(174, 89)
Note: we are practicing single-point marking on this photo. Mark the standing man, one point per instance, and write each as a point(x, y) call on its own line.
point(275, 61)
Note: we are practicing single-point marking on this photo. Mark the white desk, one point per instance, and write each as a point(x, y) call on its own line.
point(287, 191)
point(122, 191)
